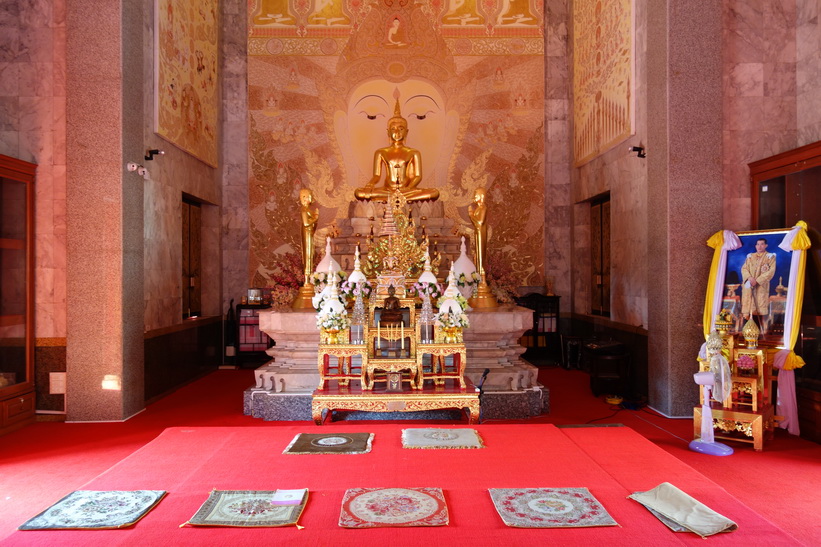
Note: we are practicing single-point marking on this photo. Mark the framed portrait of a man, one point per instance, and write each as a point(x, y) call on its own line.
point(755, 283)
point(752, 278)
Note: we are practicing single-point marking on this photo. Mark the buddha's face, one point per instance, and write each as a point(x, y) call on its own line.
point(397, 130)
point(361, 130)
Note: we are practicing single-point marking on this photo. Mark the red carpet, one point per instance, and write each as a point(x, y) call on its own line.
point(611, 462)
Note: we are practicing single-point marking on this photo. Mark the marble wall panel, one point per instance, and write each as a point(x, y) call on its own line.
point(234, 240)
point(762, 90)
point(32, 128)
point(558, 208)
point(808, 72)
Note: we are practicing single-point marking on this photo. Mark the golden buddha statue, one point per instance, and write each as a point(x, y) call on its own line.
point(391, 312)
point(403, 167)
point(478, 215)
point(309, 216)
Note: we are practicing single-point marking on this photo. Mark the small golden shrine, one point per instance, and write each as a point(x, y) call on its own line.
point(396, 338)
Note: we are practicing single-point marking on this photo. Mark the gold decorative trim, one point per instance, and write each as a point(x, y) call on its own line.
point(49, 342)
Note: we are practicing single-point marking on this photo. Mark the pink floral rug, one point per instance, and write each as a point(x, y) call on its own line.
point(378, 507)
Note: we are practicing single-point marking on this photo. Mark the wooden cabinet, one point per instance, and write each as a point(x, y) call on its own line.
point(786, 188)
point(544, 338)
point(251, 342)
point(16, 293)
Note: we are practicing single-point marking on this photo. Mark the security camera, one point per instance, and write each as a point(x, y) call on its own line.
point(142, 171)
point(131, 166)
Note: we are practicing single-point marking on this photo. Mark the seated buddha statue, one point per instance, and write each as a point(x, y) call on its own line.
point(402, 165)
point(391, 311)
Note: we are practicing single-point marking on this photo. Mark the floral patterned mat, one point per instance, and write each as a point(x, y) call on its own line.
point(431, 437)
point(549, 508)
point(252, 508)
point(378, 507)
point(94, 509)
point(330, 443)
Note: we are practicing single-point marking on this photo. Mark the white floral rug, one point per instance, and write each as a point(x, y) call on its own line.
point(97, 510)
point(378, 507)
point(431, 437)
point(549, 508)
point(252, 508)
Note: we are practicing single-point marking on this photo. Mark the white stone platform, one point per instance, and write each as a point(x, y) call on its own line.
point(491, 341)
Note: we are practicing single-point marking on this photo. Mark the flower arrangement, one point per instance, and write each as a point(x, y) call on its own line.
point(320, 279)
point(745, 362)
point(463, 303)
point(333, 321)
point(351, 290)
point(502, 280)
point(468, 280)
point(433, 290)
point(446, 320)
point(725, 316)
point(282, 297)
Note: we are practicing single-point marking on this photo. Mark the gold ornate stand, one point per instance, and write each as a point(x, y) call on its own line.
point(736, 425)
point(438, 372)
point(368, 400)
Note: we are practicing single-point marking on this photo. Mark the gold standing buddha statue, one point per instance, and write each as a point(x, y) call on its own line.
point(403, 167)
point(309, 215)
point(478, 215)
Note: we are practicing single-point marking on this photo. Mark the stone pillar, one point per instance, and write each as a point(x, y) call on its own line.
point(684, 109)
point(104, 208)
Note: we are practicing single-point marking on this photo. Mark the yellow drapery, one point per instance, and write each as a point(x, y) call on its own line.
point(800, 243)
point(717, 243)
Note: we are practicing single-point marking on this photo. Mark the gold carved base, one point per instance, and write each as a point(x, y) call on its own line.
point(742, 426)
point(303, 300)
point(484, 297)
point(431, 398)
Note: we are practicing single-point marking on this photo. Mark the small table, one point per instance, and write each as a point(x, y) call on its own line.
point(438, 353)
point(392, 365)
point(447, 396)
point(344, 354)
point(750, 427)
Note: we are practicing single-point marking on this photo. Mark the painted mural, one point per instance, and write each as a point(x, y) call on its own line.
point(323, 78)
point(603, 97)
point(186, 75)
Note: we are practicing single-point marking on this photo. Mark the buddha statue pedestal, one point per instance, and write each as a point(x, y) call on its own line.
point(284, 386)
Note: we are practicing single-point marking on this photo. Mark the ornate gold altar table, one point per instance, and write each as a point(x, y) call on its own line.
point(431, 397)
point(737, 425)
point(392, 365)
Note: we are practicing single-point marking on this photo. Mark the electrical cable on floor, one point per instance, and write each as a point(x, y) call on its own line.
point(605, 417)
point(659, 427)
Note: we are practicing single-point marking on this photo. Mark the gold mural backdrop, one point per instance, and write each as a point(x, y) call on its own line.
point(322, 82)
point(186, 75)
point(603, 96)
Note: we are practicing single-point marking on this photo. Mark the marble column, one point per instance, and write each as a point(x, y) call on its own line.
point(104, 203)
point(684, 142)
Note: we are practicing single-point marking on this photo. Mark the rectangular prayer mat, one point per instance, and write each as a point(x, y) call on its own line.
point(96, 510)
point(549, 508)
point(681, 512)
point(431, 437)
point(251, 508)
point(393, 507)
point(330, 443)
